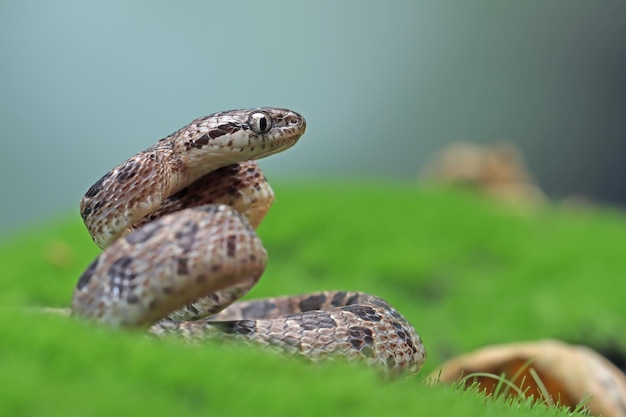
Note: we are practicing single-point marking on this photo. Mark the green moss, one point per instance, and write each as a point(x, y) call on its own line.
point(464, 270)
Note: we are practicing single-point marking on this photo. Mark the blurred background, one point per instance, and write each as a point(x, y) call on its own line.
point(383, 86)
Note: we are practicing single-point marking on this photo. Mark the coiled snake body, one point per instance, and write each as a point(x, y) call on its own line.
point(177, 223)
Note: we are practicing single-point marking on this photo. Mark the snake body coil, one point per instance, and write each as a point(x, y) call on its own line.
point(177, 221)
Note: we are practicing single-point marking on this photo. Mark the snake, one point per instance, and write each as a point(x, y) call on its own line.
point(177, 223)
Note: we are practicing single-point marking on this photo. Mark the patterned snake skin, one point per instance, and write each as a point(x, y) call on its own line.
point(177, 222)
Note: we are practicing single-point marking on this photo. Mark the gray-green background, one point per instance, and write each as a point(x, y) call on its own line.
point(85, 84)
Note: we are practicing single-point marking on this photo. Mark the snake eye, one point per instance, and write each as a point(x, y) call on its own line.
point(260, 122)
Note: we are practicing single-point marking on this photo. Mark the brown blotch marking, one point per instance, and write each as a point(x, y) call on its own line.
point(313, 302)
point(352, 300)
point(357, 343)
point(338, 299)
point(185, 235)
point(86, 211)
point(97, 206)
point(258, 309)
point(132, 299)
point(187, 230)
point(127, 170)
point(203, 140)
point(215, 133)
point(411, 345)
point(95, 188)
point(236, 326)
point(402, 335)
point(360, 337)
point(364, 312)
point(314, 320)
point(401, 332)
point(144, 233)
point(87, 275)
point(120, 274)
point(89, 209)
point(379, 302)
point(224, 129)
point(231, 245)
point(182, 266)
point(120, 269)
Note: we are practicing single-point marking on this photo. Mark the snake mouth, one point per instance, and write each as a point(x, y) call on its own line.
point(288, 141)
point(268, 148)
point(284, 138)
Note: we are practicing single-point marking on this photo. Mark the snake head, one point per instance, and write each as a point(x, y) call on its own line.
point(238, 135)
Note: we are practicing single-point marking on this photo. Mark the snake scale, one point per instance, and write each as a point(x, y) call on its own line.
point(177, 225)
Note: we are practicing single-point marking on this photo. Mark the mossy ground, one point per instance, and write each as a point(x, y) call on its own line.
point(463, 269)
